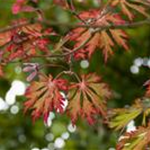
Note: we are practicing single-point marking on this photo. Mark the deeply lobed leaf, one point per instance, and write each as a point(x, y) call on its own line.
point(120, 117)
point(87, 98)
point(44, 96)
point(104, 40)
point(23, 42)
point(137, 140)
point(128, 5)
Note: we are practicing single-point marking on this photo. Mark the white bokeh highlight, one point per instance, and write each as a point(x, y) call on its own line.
point(71, 128)
point(111, 148)
point(45, 149)
point(131, 126)
point(139, 62)
point(49, 137)
point(18, 87)
point(84, 64)
point(14, 109)
point(59, 143)
point(35, 148)
point(134, 69)
point(65, 135)
point(10, 97)
point(51, 146)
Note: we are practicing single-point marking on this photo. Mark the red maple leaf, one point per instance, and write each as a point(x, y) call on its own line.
point(104, 40)
point(23, 42)
point(44, 96)
point(87, 98)
point(21, 6)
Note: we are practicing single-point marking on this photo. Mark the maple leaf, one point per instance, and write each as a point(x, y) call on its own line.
point(5, 38)
point(20, 6)
point(126, 5)
point(23, 42)
point(87, 98)
point(120, 117)
point(135, 140)
point(104, 40)
point(44, 96)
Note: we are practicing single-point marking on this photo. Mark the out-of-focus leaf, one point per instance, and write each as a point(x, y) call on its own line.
point(127, 5)
point(121, 117)
point(137, 140)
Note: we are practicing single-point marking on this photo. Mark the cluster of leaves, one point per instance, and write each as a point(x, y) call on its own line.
point(86, 97)
point(120, 117)
point(23, 42)
point(138, 139)
point(101, 29)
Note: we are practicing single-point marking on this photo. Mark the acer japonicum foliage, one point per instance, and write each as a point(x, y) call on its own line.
point(26, 40)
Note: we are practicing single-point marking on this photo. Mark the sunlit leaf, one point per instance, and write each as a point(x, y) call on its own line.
point(88, 98)
point(128, 5)
point(137, 140)
point(44, 96)
point(121, 117)
point(104, 40)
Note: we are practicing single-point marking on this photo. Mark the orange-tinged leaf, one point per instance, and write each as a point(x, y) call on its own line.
point(104, 40)
point(127, 5)
point(120, 37)
point(23, 42)
point(106, 44)
point(44, 96)
point(87, 98)
point(5, 38)
point(136, 140)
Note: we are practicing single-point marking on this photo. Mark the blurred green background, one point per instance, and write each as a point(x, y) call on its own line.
point(125, 72)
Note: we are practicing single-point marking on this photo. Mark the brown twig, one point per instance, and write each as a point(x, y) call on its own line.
point(70, 52)
point(50, 23)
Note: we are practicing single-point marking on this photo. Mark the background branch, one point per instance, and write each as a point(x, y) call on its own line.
point(50, 23)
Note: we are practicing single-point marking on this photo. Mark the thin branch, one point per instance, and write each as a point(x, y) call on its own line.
point(50, 23)
point(96, 28)
point(124, 26)
point(68, 73)
point(71, 51)
point(114, 26)
point(9, 28)
point(51, 65)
